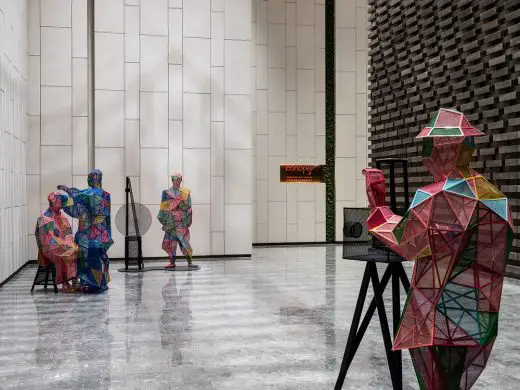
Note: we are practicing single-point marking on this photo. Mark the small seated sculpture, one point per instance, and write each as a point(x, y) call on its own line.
point(459, 232)
point(55, 241)
point(175, 216)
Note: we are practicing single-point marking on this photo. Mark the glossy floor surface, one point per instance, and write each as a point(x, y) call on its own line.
point(277, 321)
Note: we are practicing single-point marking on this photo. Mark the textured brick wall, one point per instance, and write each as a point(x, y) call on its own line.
point(426, 54)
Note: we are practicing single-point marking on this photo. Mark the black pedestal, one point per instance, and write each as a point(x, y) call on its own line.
point(133, 252)
point(179, 268)
point(394, 272)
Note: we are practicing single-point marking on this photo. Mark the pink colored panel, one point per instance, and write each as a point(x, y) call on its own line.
point(448, 119)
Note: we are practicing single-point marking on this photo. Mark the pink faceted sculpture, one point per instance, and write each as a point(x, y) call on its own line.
point(459, 231)
point(55, 240)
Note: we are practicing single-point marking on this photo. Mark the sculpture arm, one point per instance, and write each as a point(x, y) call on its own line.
point(165, 212)
point(76, 208)
point(408, 235)
point(108, 219)
point(190, 210)
point(37, 234)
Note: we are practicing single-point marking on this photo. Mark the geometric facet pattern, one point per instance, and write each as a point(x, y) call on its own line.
point(94, 236)
point(55, 240)
point(175, 215)
point(427, 54)
point(459, 232)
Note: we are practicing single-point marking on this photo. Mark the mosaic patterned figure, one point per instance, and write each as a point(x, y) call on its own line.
point(459, 231)
point(176, 215)
point(55, 240)
point(94, 236)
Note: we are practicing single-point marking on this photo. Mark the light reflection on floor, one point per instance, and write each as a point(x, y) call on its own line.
point(277, 321)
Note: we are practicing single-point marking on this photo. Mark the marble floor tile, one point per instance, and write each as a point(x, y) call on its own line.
point(277, 321)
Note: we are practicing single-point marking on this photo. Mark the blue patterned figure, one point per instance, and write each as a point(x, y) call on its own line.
point(94, 236)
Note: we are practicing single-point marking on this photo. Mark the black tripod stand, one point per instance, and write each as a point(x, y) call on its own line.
point(372, 254)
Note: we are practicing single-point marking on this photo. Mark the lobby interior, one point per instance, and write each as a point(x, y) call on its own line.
point(231, 93)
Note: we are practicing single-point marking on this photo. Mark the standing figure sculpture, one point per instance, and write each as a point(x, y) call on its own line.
point(55, 241)
point(459, 231)
point(175, 216)
point(94, 236)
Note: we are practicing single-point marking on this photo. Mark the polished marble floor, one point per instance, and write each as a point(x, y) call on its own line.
point(277, 321)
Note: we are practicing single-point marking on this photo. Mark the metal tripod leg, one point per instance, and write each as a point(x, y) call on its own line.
point(378, 295)
point(348, 355)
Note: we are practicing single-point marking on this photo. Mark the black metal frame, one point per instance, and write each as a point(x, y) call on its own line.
point(49, 270)
point(137, 237)
point(395, 272)
point(392, 163)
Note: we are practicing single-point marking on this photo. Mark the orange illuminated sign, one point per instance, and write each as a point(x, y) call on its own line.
point(301, 173)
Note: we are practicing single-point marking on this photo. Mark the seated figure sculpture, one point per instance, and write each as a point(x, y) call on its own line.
point(175, 216)
point(94, 236)
point(459, 232)
point(55, 241)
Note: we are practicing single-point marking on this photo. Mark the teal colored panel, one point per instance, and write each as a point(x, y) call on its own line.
point(433, 120)
point(419, 197)
point(499, 206)
point(452, 182)
point(463, 189)
point(470, 141)
point(446, 131)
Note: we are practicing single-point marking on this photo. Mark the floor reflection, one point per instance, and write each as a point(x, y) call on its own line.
point(74, 339)
point(94, 343)
point(278, 321)
point(175, 321)
point(56, 337)
point(133, 304)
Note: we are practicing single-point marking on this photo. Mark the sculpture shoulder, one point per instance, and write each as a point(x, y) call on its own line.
point(166, 195)
point(45, 222)
point(185, 193)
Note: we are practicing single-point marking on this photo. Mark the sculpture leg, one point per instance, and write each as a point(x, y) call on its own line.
point(184, 242)
point(106, 266)
point(449, 368)
point(169, 245)
point(476, 360)
point(172, 253)
point(426, 368)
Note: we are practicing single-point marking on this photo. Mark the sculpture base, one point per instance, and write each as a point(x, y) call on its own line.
point(179, 268)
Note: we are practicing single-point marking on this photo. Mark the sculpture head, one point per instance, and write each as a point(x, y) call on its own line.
point(176, 179)
point(95, 178)
point(448, 143)
point(57, 201)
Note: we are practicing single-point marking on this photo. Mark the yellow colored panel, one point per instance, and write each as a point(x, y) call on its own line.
point(425, 252)
point(97, 275)
point(166, 205)
point(487, 191)
point(185, 193)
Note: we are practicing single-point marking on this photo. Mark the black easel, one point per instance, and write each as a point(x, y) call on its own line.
point(136, 237)
point(372, 254)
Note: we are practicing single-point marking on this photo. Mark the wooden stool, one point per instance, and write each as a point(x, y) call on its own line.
point(42, 277)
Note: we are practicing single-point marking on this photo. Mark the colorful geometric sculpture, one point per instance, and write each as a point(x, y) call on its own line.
point(459, 231)
point(175, 216)
point(94, 236)
point(55, 240)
